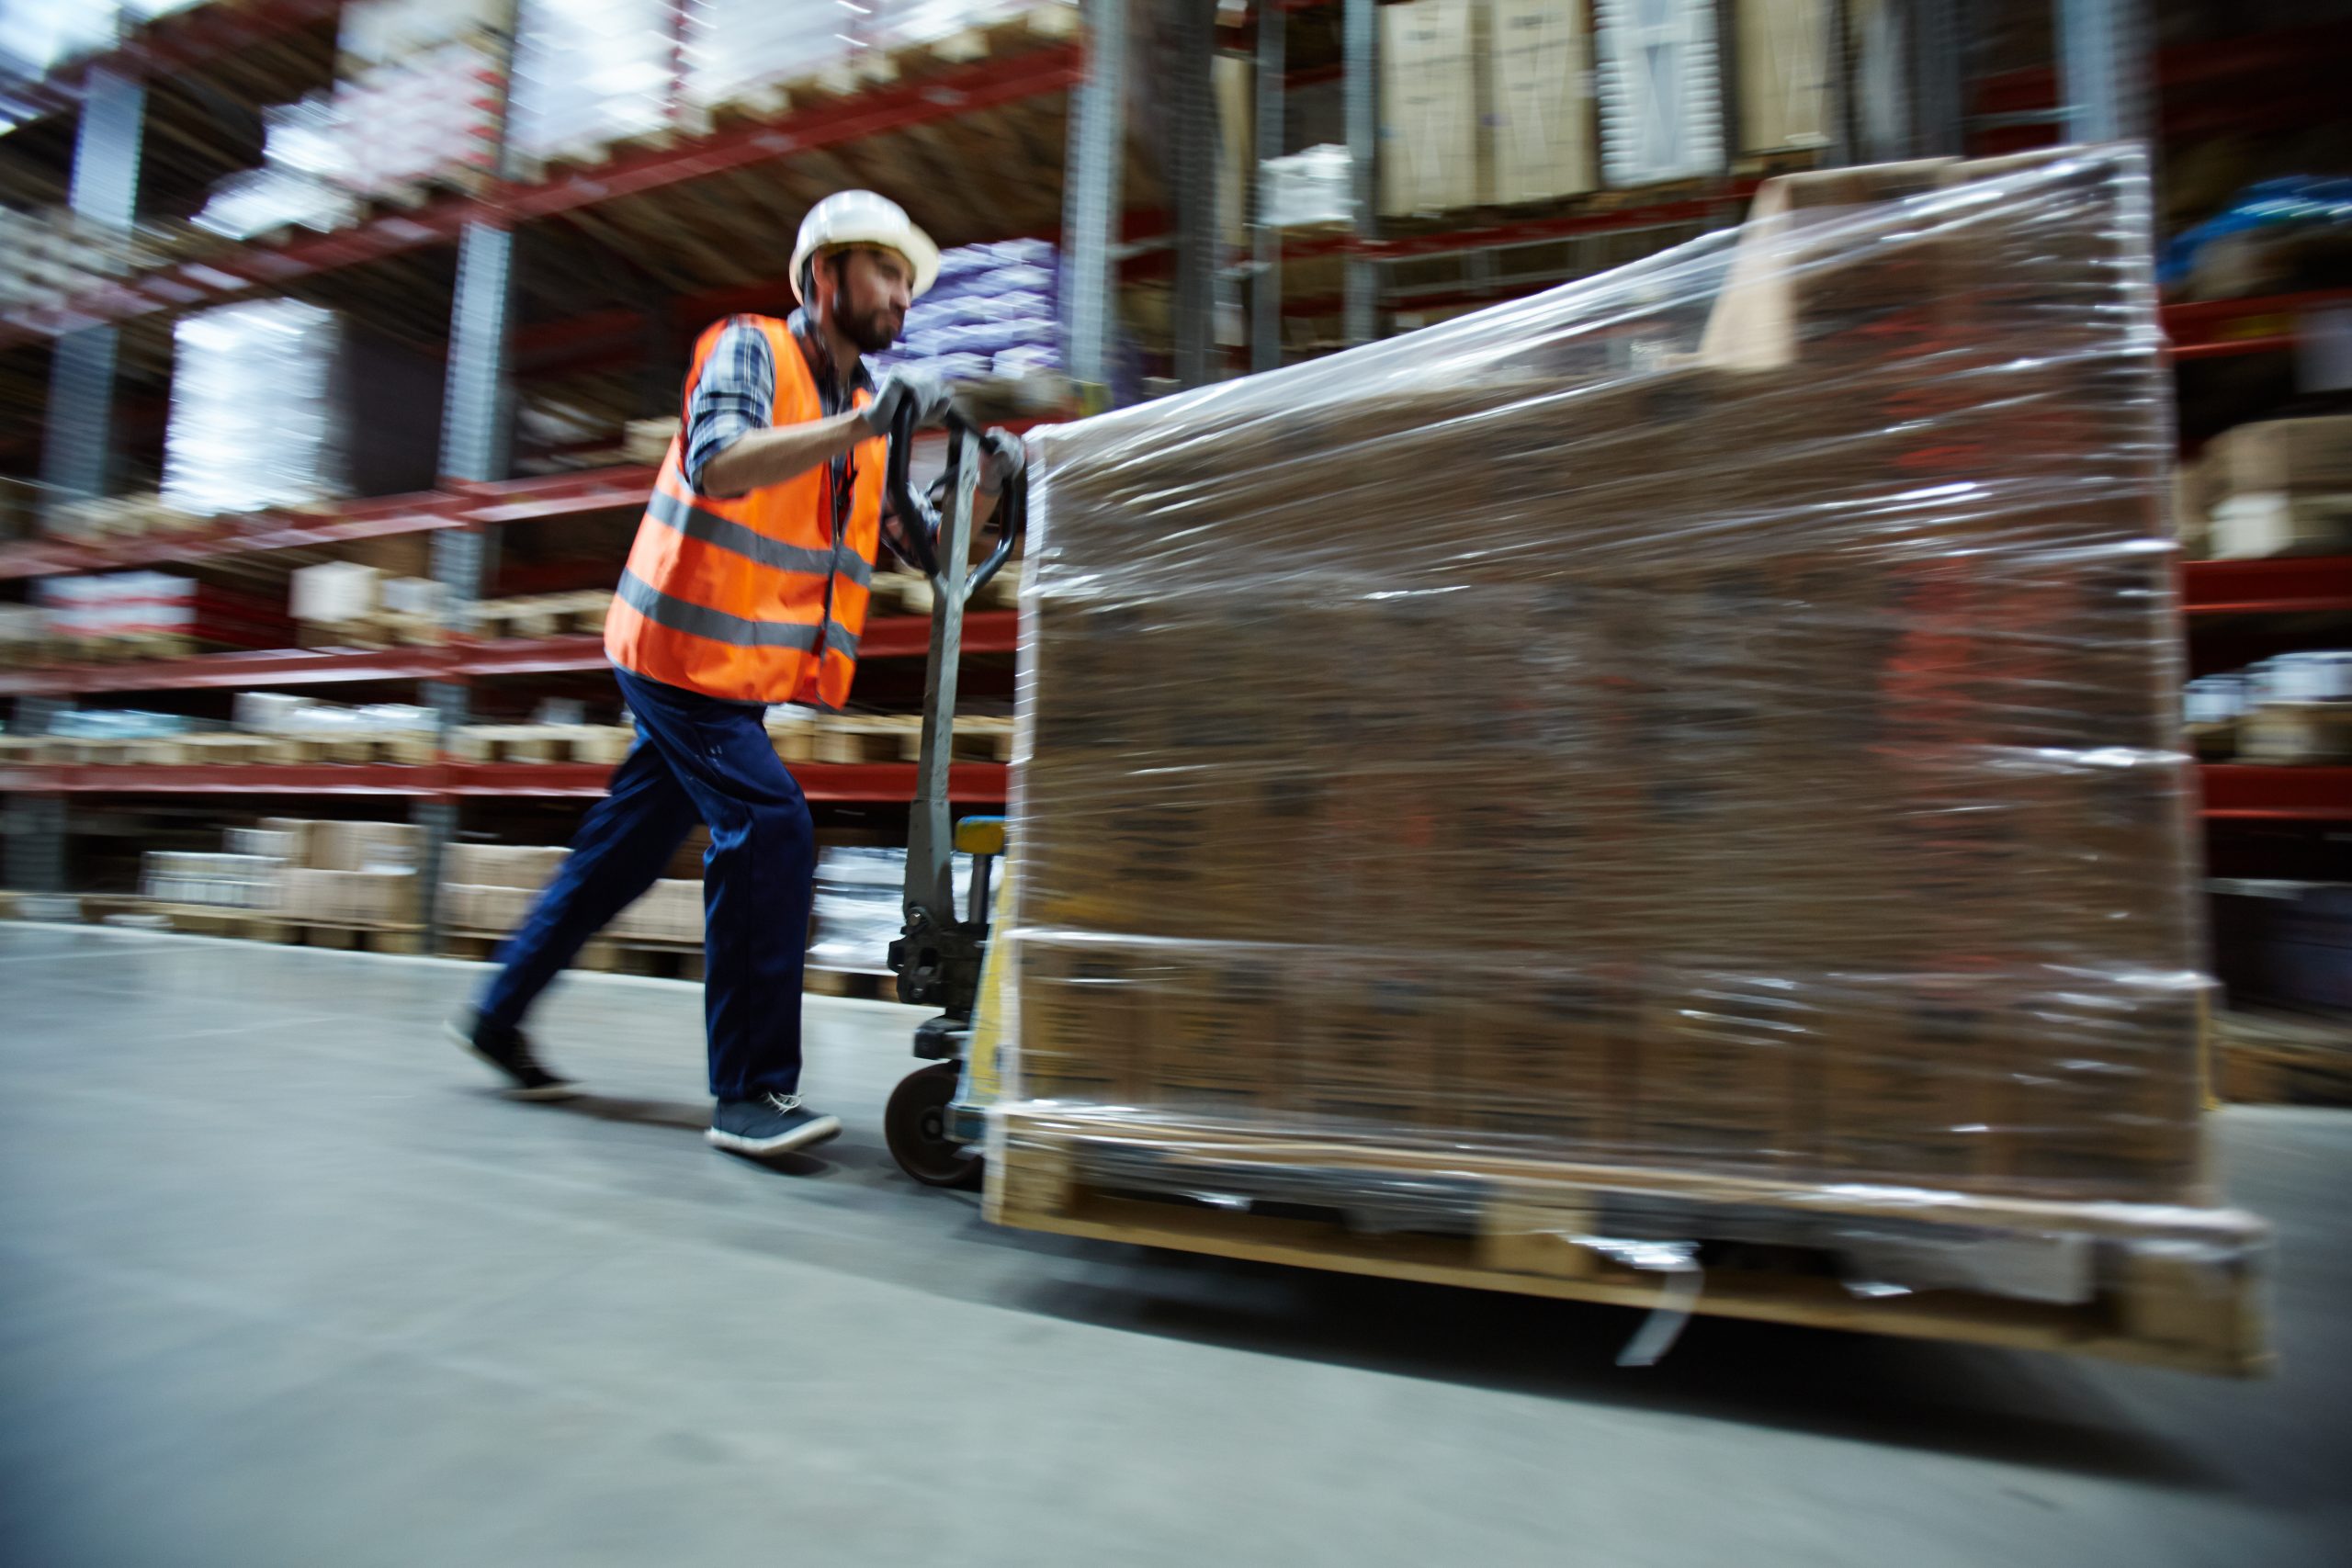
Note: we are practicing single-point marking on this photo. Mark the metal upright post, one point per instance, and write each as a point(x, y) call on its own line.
point(1361, 23)
point(1194, 159)
point(77, 437)
point(78, 440)
point(476, 446)
point(1265, 240)
point(2103, 70)
point(1090, 224)
point(1938, 40)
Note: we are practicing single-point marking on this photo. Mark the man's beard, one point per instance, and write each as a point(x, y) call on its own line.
point(872, 331)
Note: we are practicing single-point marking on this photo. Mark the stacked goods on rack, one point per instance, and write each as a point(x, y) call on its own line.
point(279, 403)
point(103, 516)
point(2276, 236)
point(741, 55)
point(291, 879)
point(2297, 708)
point(1491, 102)
point(24, 635)
point(354, 874)
point(50, 257)
point(591, 73)
point(2281, 486)
point(249, 874)
point(486, 889)
point(417, 91)
point(1758, 819)
point(299, 729)
point(302, 181)
point(153, 614)
point(354, 605)
point(992, 314)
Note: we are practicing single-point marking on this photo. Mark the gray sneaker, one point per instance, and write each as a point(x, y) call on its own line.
point(769, 1125)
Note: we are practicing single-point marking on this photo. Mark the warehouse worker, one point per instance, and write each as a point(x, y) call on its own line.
point(747, 585)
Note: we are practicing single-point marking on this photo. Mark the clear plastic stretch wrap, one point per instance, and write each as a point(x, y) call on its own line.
point(1717, 717)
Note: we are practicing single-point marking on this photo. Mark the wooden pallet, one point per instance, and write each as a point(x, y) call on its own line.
point(601, 744)
point(409, 750)
point(210, 920)
point(880, 739)
point(2168, 1287)
point(379, 629)
point(859, 985)
point(2275, 1061)
point(912, 594)
point(542, 614)
point(350, 936)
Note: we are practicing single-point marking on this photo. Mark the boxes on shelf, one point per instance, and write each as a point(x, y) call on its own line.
point(1539, 73)
point(993, 314)
point(276, 402)
point(1787, 81)
point(1309, 188)
point(669, 913)
point(232, 881)
point(1660, 106)
point(356, 874)
point(2281, 487)
point(134, 612)
point(734, 48)
point(489, 888)
point(1429, 107)
point(1774, 778)
point(417, 96)
point(590, 72)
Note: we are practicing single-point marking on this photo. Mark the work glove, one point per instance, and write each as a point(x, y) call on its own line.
point(1001, 456)
point(897, 389)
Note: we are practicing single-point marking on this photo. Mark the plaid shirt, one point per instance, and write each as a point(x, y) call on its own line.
point(736, 394)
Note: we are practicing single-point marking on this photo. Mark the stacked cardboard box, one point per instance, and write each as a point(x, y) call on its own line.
point(486, 889)
point(2282, 487)
point(669, 913)
point(1718, 716)
point(356, 874)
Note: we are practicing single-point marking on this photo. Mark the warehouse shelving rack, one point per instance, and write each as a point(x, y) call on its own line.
point(1114, 227)
point(831, 133)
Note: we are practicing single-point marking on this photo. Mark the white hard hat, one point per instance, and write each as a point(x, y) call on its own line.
point(862, 218)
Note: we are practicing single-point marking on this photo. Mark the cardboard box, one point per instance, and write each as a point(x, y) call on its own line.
point(670, 912)
point(363, 846)
point(1546, 1063)
point(1082, 1010)
point(1787, 93)
point(2257, 525)
point(1222, 1032)
point(332, 590)
point(1539, 113)
point(351, 897)
point(2280, 456)
point(1429, 107)
point(1660, 107)
point(502, 865)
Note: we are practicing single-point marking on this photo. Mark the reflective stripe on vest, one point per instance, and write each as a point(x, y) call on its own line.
point(744, 598)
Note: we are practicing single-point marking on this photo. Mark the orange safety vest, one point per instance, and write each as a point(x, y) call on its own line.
point(757, 599)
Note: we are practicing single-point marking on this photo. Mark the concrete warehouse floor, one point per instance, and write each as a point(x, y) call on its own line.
point(283, 1282)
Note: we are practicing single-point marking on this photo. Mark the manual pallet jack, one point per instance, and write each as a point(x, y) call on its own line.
point(931, 1124)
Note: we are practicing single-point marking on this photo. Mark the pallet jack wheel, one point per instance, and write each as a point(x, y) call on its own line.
point(915, 1125)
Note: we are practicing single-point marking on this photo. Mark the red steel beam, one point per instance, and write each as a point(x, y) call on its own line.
point(2284, 584)
point(2252, 793)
